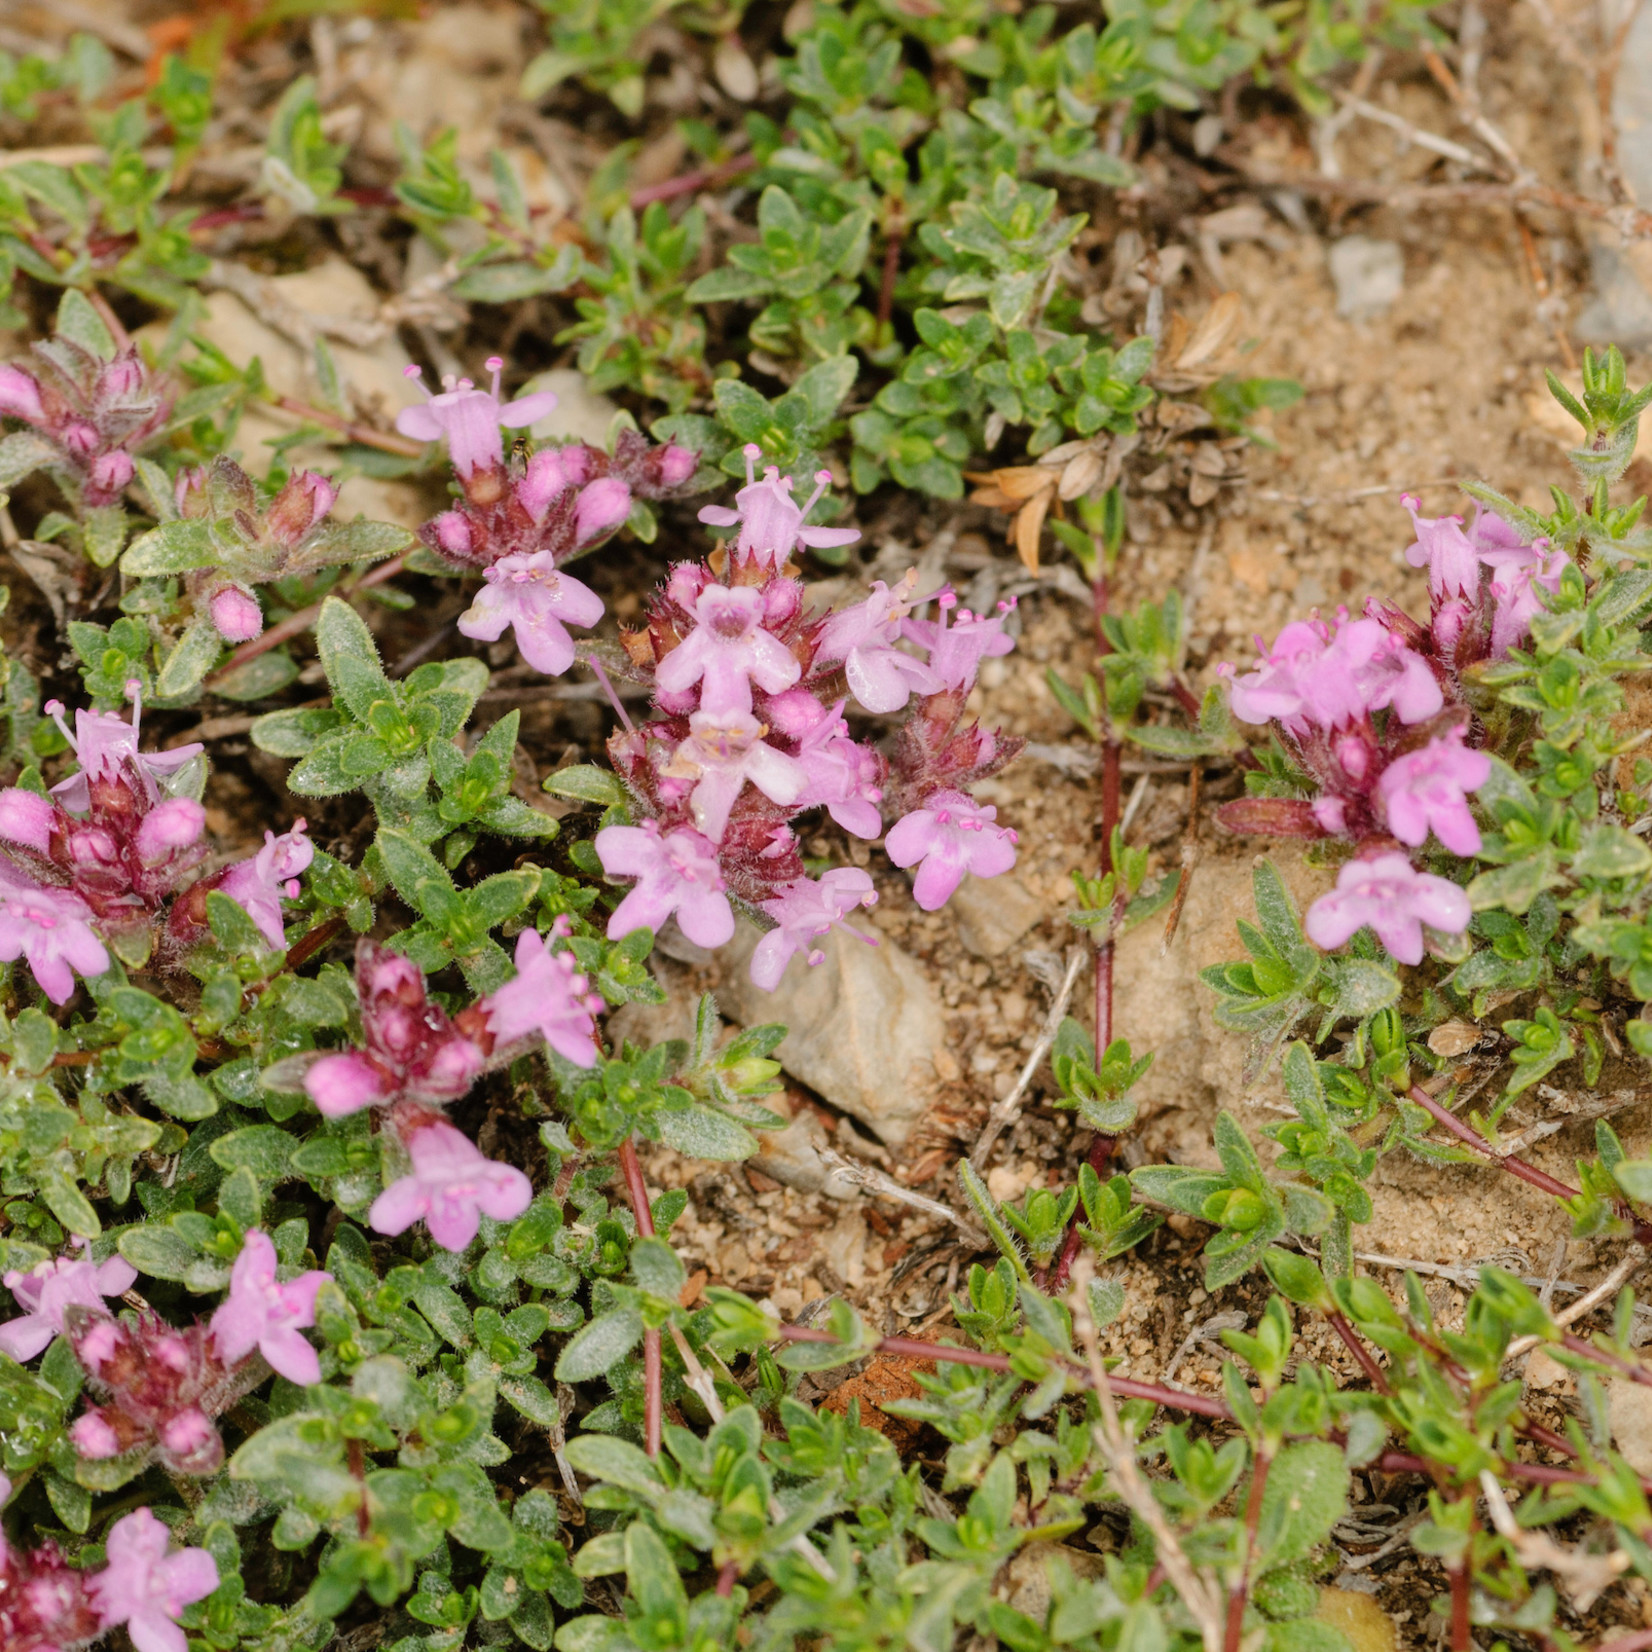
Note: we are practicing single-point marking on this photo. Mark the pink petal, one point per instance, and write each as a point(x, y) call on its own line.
point(420, 423)
point(706, 918)
point(290, 1356)
point(398, 1207)
point(527, 410)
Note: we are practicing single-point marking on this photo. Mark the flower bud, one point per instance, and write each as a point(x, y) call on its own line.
point(94, 1438)
point(677, 464)
point(189, 492)
point(123, 380)
point(188, 1433)
point(236, 614)
point(175, 824)
point(453, 536)
point(603, 507)
point(19, 395)
point(299, 508)
point(26, 818)
point(111, 472)
point(546, 478)
point(80, 438)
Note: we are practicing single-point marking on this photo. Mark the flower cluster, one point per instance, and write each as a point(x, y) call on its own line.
point(93, 410)
point(159, 1387)
point(1373, 710)
point(517, 521)
point(414, 1057)
point(47, 1605)
point(750, 690)
point(97, 858)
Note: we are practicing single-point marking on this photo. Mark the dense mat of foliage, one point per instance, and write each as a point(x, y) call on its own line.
point(287, 1338)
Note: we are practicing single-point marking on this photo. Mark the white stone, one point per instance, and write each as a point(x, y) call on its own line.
point(580, 414)
point(993, 913)
point(1368, 275)
point(1630, 1407)
point(863, 1026)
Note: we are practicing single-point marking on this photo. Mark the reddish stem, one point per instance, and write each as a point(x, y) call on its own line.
point(403, 447)
point(1460, 1638)
point(637, 1191)
point(1515, 1167)
point(891, 269)
point(691, 183)
point(1240, 1592)
point(1355, 1344)
point(727, 1578)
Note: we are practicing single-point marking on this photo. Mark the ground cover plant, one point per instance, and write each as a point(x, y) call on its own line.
point(340, 1308)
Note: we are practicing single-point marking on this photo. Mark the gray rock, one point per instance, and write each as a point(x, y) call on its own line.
point(580, 414)
point(1632, 108)
point(1368, 275)
point(994, 913)
point(1630, 1407)
point(1620, 309)
point(863, 1027)
point(792, 1156)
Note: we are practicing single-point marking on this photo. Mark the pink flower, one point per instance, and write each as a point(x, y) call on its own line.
point(1517, 577)
point(1315, 675)
point(1426, 789)
point(956, 651)
point(299, 508)
point(19, 395)
point(345, 1083)
point(413, 1049)
point(262, 1313)
point(146, 1588)
point(724, 751)
point(880, 675)
point(675, 873)
point(804, 910)
point(550, 997)
point(843, 775)
point(48, 1289)
point(528, 593)
point(50, 928)
point(771, 523)
point(1389, 894)
point(451, 1188)
point(256, 885)
point(951, 835)
point(601, 508)
point(727, 651)
point(1445, 550)
point(470, 419)
point(188, 1436)
point(105, 744)
point(235, 613)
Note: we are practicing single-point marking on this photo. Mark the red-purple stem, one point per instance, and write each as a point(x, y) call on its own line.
point(1539, 1179)
point(691, 183)
point(728, 1577)
point(1240, 1592)
point(1355, 1344)
point(637, 1191)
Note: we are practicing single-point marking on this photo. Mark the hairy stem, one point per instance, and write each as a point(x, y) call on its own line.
point(637, 1191)
point(1355, 1344)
